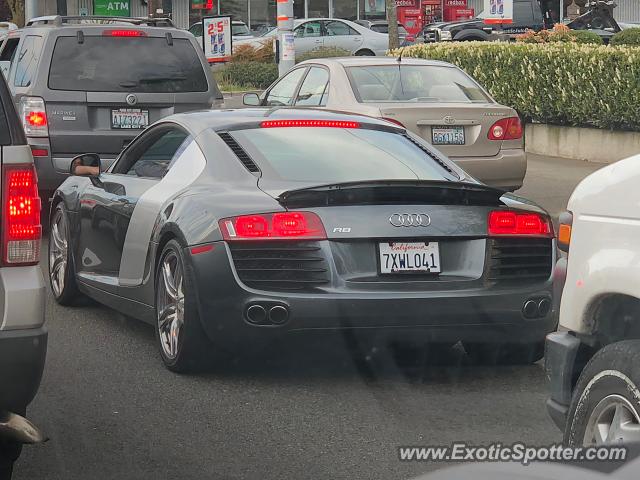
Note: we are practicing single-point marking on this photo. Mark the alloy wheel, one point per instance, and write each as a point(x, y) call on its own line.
point(170, 303)
point(613, 420)
point(58, 253)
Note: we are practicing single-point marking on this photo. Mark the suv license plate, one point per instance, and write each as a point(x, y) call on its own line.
point(447, 135)
point(129, 118)
point(403, 257)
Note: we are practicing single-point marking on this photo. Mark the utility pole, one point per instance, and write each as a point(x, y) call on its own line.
point(30, 10)
point(285, 39)
point(392, 19)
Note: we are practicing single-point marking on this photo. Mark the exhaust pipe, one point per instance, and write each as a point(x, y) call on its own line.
point(530, 309)
point(278, 315)
point(18, 429)
point(544, 307)
point(256, 314)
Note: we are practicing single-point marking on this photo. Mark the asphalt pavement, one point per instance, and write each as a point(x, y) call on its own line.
point(307, 408)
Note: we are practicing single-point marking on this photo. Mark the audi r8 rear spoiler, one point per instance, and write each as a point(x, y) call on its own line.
point(389, 192)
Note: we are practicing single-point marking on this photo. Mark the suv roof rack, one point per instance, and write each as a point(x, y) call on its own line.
point(59, 20)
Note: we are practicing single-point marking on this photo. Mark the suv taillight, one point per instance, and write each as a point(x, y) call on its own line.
point(21, 229)
point(34, 117)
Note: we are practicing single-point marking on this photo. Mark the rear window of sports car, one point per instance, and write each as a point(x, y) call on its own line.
point(332, 155)
point(123, 64)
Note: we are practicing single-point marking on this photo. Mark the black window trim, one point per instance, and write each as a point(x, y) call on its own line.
point(151, 134)
point(310, 66)
point(296, 90)
point(16, 133)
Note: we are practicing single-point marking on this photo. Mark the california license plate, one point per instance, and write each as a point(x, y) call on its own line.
point(129, 118)
point(447, 135)
point(401, 257)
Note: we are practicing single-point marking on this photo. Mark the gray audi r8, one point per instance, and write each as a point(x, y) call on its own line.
point(225, 228)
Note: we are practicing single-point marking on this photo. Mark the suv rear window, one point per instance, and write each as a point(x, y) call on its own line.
point(333, 155)
point(126, 64)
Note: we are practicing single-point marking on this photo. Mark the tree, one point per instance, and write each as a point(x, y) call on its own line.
point(392, 19)
point(17, 11)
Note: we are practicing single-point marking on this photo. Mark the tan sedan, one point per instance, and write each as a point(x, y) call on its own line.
point(435, 100)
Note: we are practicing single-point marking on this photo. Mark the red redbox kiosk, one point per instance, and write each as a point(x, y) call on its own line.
point(415, 14)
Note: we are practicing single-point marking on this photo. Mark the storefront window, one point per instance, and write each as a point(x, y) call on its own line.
point(318, 8)
point(236, 8)
point(345, 9)
point(198, 9)
point(263, 15)
point(373, 9)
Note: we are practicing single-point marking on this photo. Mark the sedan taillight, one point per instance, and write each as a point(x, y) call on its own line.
point(273, 226)
point(506, 129)
point(34, 117)
point(21, 229)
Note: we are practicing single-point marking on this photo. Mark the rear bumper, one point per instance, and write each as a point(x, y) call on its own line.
point(561, 352)
point(480, 315)
point(505, 170)
point(22, 358)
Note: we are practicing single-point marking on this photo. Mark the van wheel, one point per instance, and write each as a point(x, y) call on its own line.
point(365, 53)
point(62, 275)
point(605, 408)
point(504, 353)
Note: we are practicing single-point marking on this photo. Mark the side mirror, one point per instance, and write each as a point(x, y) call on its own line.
point(86, 165)
point(251, 99)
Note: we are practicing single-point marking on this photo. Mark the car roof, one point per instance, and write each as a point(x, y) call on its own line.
point(370, 61)
point(219, 120)
point(91, 22)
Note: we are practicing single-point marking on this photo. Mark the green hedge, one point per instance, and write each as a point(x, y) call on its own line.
point(626, 37)
point(250, 75)
point(557, 83)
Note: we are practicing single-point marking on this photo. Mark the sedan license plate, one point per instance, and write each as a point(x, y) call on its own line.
point(129, 118)
point(447, 135)
point(402, 257)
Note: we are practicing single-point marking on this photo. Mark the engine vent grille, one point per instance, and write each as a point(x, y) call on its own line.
point(520, 259)
point(240, 153)
point(280, 266)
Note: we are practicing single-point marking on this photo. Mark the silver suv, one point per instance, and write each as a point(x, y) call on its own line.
point(91, 84)
point(23, 338)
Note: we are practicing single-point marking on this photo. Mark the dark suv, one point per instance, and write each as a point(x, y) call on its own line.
point(91, 84)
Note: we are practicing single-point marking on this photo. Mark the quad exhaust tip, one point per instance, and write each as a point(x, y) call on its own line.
point(278, 315)
point(536, 308)
point(256, 314)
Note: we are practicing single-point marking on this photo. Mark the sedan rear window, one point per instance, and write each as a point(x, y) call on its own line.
point(126, 64)
point(414, 83)
point(333, 155)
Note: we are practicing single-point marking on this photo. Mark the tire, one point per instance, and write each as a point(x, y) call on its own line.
point(607, 394)
point(504, 353)
point(62, 275)
point(183, 343)
point(365, 53)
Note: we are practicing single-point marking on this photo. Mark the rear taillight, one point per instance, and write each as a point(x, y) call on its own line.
point(309, 123)
point(392, 120)
point(34, 117)
point(506, 129)
point(21, 229)
point(564, 231)
point(39, 152)
point(273, 226)
point(511, 223)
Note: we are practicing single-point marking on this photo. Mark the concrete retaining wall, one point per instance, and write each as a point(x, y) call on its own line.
point(590, 144)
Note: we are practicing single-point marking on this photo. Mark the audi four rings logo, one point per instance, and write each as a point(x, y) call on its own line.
point(410, 220)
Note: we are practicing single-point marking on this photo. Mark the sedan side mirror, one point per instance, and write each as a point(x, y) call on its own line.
point(86, 165)
point(251, 99)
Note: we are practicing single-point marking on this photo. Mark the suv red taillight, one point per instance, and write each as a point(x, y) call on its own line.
point(34, 117)
point(21, 229)
point(273, 226)
point(506, 129)
point(510, 223)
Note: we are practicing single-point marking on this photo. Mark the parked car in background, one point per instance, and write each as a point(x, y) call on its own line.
point(72, 99)
point(239, 31)
point(304, 220)
point(435, 100)
point(593, 361)
point(23, 337)
point(263, 29)
point(315, 33)
point(382, 26)
point(8, 47)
